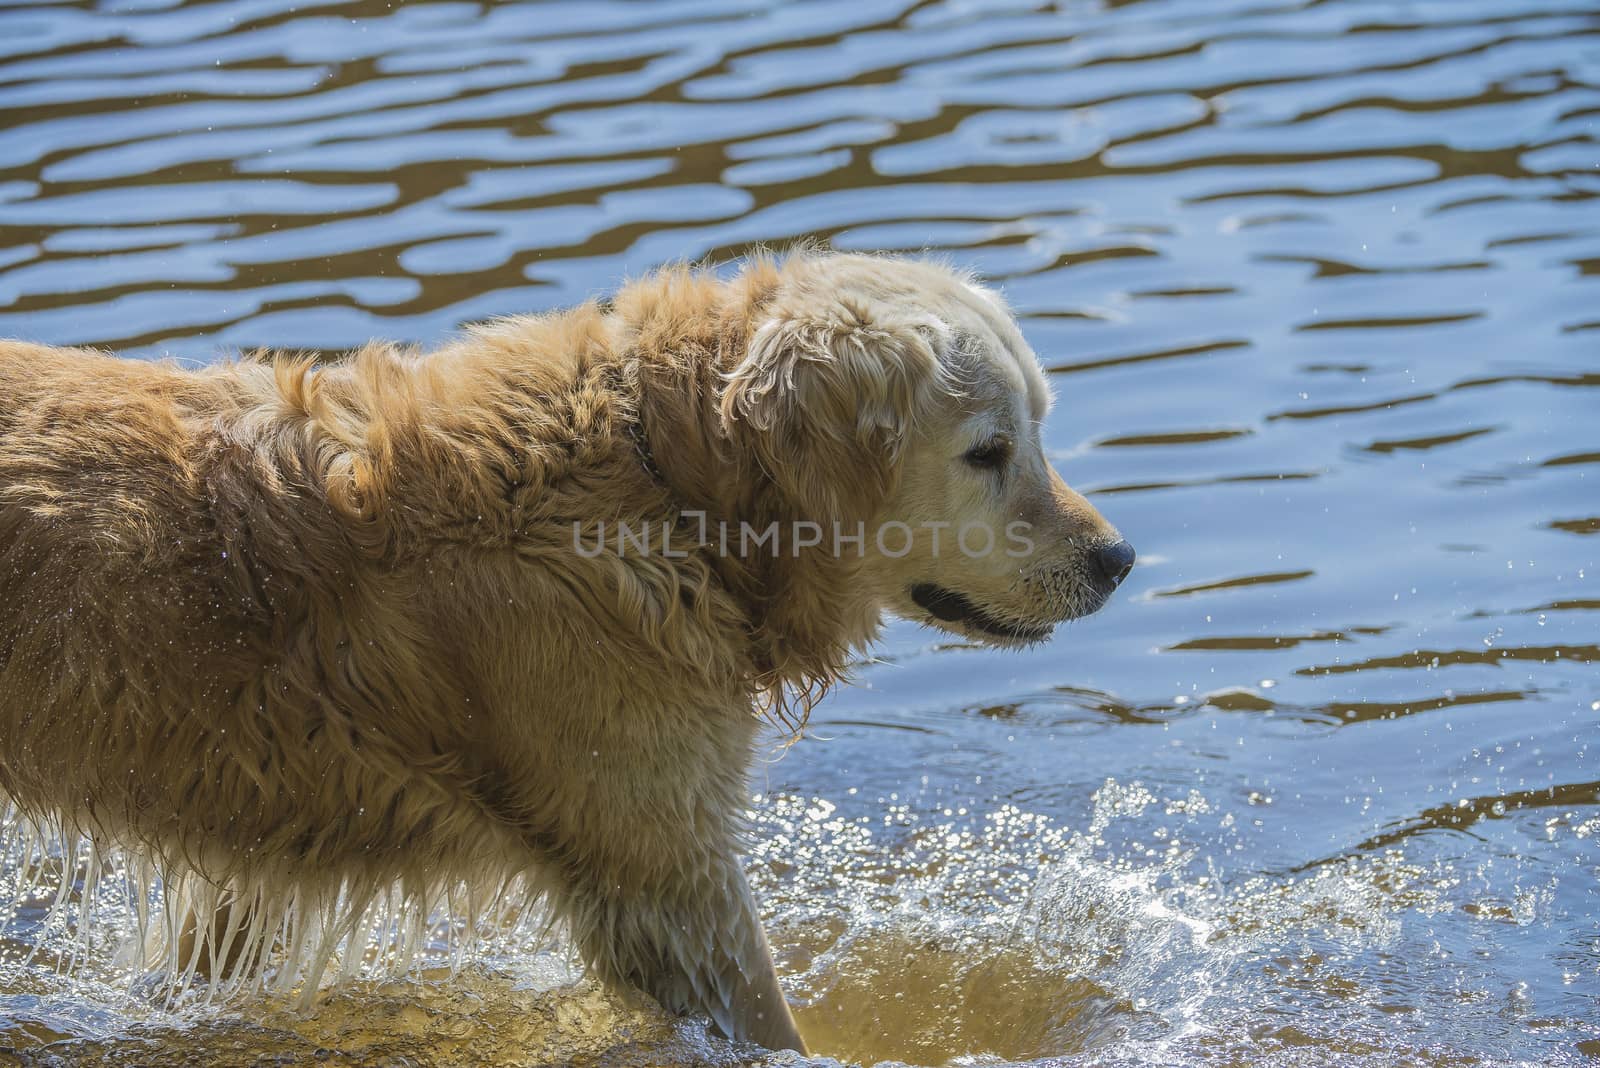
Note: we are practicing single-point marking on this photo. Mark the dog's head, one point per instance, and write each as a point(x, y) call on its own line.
point(897, 402)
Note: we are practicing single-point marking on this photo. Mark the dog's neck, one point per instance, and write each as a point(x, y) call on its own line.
point(674, 350)
point(673, 435)
point(806, 608)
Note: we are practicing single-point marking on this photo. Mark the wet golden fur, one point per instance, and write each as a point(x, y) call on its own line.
point(299, 634)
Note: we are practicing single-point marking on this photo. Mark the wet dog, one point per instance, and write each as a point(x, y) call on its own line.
point(306, 639)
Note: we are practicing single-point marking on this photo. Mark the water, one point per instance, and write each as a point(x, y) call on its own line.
point(1317, 283)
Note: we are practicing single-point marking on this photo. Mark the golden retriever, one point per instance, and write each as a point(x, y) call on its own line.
point(307, 640)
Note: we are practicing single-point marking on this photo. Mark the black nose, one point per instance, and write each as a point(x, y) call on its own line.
point(1113, 562)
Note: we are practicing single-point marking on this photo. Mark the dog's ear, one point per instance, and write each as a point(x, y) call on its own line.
point(827, 397)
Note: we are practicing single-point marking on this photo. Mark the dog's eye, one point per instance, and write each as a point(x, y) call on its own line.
point(991, 455)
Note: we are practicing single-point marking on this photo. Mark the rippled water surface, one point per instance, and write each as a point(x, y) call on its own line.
point(1319, 286)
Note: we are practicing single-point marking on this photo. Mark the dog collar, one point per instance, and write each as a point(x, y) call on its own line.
point(641, 448)
point(625, 380)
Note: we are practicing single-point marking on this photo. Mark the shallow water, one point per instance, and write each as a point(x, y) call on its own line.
point(1317, 283)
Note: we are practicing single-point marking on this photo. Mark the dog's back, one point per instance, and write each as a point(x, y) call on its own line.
point(193, 660)
point(105, 582)
point(97, 503)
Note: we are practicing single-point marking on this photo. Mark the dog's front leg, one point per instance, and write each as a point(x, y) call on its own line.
point(693, 941)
